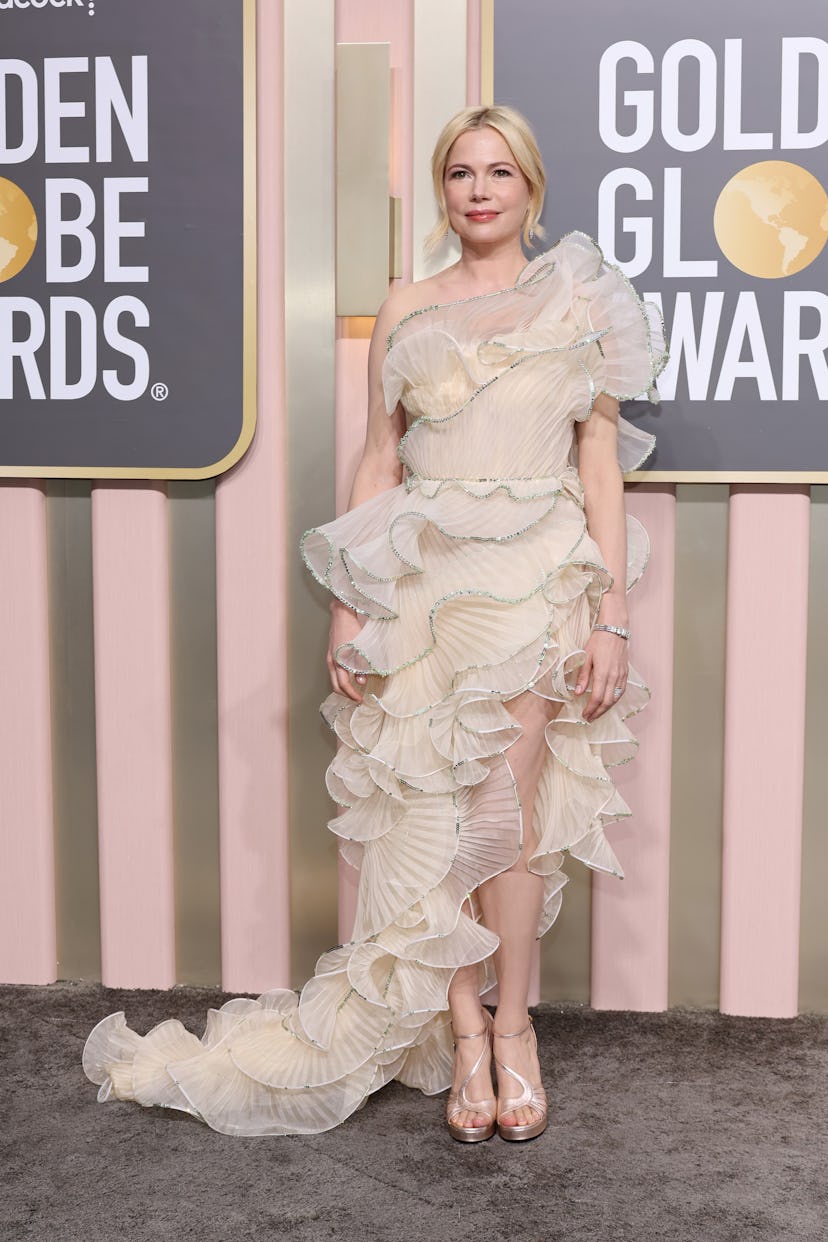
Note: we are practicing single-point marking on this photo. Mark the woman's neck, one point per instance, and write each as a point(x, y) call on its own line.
point(488, 269)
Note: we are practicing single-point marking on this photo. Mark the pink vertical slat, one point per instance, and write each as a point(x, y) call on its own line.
point(27, 888)
point(351, 410)
point(472, 53)
point(630, 917)
point(251, 568)
point(130, 568)
point(360, 21)
point(767, 608)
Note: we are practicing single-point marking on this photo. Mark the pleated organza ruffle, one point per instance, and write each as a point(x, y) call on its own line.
point(477, 580)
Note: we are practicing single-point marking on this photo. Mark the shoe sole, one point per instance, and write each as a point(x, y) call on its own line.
point(472, 1134)
point(522, 1134)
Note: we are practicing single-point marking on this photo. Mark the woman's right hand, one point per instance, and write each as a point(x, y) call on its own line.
point(345, 626)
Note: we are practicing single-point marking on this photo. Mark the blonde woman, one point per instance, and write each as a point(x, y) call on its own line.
point(478, 659)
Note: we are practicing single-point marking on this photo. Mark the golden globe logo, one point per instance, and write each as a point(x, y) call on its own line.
point(770, 219)
point(85, 229)
point(18, 229)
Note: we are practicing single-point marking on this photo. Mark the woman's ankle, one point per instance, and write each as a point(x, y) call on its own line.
point(511, 1021)
point(467, 1017)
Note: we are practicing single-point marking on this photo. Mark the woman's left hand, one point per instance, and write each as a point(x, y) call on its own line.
point(606, 665)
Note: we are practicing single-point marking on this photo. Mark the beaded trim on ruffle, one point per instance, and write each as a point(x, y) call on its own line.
point(600, 572)
point(521, 283)
point(648, 312)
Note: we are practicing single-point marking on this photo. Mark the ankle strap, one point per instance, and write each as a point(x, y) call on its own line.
point(476, 1034)
point(512, 1034)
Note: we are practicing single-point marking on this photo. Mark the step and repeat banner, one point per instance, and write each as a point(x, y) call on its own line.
point(690, 141)
point(127, 237)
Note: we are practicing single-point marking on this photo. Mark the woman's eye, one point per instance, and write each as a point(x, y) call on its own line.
point(458, 172)
point(502, 172)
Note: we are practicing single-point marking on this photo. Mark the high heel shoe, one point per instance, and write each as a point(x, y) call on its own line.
point(459, 1102)
point(530, 1097)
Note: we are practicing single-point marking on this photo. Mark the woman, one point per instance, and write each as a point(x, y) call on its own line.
point(478, 659)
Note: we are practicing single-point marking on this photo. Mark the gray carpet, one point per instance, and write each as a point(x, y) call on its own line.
point(687, 1126)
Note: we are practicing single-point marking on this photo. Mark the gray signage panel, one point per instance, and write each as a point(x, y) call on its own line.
point(127, 277)
point(690, 141)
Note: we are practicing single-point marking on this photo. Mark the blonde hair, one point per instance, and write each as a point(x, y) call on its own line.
point(517, 133)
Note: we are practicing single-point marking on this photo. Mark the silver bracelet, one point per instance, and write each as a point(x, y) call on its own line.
point(614, 629)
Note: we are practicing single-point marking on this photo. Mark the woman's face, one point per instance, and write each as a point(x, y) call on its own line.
point(487, 196)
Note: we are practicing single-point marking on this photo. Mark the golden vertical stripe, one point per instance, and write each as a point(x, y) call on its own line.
point(813, 952)
point(564, 950)
point(309, 343)
point(395, 237)
point(72, 675)
point(193, 690)
point(487, 52)
point(698, 740)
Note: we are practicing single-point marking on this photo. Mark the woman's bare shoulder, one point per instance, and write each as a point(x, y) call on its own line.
point(405, 299)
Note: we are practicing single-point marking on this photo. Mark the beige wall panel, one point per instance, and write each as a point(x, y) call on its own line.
point(363, 170)
point(565, 950)
point(813, 959)
point(309, 343)
point(698, 738)
point(77, 894)
point(439, 92)
point(192, 532)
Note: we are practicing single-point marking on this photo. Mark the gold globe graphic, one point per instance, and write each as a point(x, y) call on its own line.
point(18, 229)
point(771, 219)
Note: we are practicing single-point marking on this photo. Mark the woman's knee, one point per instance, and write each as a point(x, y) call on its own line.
point(532, 710)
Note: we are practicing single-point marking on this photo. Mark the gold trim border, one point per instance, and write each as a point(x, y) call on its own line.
point(249, 270)
point(803, 477)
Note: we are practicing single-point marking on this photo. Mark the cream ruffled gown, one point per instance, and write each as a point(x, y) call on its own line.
point(478, 581)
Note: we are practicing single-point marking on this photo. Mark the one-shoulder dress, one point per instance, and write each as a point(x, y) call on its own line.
point(478, 580)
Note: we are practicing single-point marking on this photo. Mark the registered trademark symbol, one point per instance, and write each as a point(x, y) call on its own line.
point(160, 392)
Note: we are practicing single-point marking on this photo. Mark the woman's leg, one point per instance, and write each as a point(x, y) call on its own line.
point(511, 905)
point(467, 1018)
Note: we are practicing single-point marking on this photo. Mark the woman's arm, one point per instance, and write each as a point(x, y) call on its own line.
point(379, 469)
point(606, 654)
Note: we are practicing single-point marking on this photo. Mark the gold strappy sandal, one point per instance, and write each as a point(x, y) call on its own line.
point(459, 1102)
point(530, 1097)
